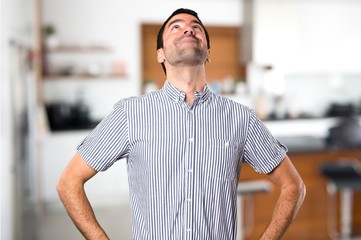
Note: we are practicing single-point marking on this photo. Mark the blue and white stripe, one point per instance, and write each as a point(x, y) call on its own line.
point(183, 161)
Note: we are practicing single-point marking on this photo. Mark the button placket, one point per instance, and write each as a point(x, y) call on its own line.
point(189, 173)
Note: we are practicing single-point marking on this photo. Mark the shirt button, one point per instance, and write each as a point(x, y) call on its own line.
point(191, 140)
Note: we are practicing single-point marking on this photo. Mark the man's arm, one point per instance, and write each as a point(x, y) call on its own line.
point(71, 191)
point(292, 194)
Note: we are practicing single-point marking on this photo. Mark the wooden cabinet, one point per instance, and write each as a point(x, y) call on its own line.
point(311, 221)
point(225, 55)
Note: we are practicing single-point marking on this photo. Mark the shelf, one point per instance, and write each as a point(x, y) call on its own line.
point(82, 62)
point(80, 49)
point(84, 76)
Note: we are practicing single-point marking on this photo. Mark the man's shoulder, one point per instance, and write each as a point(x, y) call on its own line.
point(140, 100)
point(229, 101)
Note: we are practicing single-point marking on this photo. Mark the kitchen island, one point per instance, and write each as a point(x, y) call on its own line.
point(312, 219)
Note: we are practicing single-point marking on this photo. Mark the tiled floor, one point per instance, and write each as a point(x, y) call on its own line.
point(56, 225)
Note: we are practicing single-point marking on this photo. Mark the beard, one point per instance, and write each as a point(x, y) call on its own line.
point(187, 55)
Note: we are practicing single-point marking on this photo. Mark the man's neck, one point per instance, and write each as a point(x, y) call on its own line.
point(188, 80)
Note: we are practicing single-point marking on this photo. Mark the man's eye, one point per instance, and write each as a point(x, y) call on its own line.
point(175, 27)
point(197, 28)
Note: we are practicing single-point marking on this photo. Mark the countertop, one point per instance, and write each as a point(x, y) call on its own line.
point(296, 144)
point(307, 135)
point(309, 144)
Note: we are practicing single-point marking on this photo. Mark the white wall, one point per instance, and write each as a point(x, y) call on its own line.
point(317, 35)
point(16, 25)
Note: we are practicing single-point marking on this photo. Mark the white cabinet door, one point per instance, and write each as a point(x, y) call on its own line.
point(58, 148)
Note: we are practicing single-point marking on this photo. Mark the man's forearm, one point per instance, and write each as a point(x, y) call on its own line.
point(287, 206)
point(80, 211)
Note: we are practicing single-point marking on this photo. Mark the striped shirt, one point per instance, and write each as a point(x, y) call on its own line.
point(183, 160)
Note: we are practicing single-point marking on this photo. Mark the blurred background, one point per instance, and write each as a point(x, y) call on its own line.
point(65, 63)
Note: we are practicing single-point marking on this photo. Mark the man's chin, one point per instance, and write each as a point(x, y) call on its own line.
point(188, 57)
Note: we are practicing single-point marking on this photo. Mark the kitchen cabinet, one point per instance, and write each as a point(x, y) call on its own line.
point(311, 221)
point(110, 187)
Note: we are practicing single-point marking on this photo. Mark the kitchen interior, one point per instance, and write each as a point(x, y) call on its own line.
point(296, 63)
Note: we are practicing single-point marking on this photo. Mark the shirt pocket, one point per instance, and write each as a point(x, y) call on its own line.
point(223, 159)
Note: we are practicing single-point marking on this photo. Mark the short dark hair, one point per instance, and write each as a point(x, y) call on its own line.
point(176, 12)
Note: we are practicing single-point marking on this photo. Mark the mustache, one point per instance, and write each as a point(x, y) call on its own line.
point(187, 36)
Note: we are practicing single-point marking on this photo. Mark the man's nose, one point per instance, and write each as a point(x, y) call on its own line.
point(188, 30)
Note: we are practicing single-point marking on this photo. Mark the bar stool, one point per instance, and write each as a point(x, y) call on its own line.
point(344, 175)
point(248, 189)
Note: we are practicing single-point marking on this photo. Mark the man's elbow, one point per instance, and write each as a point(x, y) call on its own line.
point(65, 186)
point(298, 192)
point(302, 191)
point(61, 186)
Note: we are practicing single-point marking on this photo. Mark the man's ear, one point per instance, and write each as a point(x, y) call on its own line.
point(208, 59)
point(160, 55)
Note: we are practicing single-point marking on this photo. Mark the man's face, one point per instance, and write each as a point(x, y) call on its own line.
point(184, 42)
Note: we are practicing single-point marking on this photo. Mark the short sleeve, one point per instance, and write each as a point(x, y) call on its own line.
point(262, 151)
point(108, 142)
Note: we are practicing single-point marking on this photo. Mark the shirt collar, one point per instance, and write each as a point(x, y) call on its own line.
point(179, 96)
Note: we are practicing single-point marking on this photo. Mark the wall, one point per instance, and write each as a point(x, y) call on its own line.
point(16, 26)
point(319, 35)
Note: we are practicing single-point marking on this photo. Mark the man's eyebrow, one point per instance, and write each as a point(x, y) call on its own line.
point(180, 20)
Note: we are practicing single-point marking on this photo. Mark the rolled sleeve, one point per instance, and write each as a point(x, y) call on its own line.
point(108, 142)
point(262, 151)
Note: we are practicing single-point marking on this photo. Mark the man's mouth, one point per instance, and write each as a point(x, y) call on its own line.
point(188, 38)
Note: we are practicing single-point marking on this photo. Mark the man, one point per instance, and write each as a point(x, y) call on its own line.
point(184, 147)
